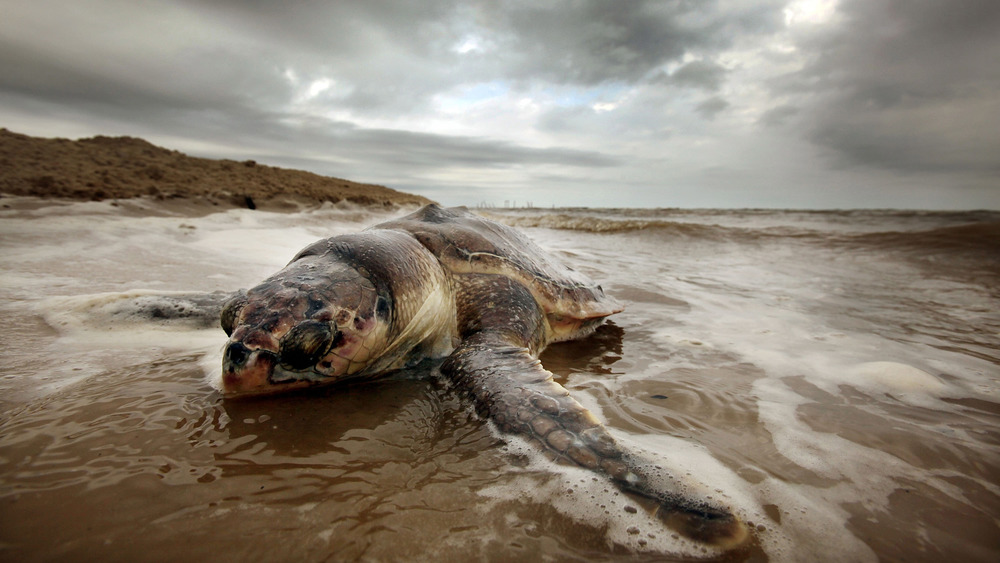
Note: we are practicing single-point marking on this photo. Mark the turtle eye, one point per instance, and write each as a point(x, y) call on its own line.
point(305, 344)
point(382, 308)
point(231, 309)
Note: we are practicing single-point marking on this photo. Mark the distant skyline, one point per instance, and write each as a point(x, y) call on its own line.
point(714, 103)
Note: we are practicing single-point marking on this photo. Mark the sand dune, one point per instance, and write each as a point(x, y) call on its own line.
point(127, 167)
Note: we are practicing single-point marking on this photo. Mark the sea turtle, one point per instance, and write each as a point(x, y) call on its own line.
point(445, 283)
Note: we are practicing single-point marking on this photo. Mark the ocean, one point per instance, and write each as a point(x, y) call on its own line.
point(833, 376)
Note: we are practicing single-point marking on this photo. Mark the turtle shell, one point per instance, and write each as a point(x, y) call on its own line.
point(466, 243)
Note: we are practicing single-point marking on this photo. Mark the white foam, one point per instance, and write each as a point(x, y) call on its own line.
point(591, 499)
point(695, 470)
point(812, 524)
point(787, 343)
point(865, 476)
point(901, 381)
point(676, 464)
point(211, 366)
point(99, 332)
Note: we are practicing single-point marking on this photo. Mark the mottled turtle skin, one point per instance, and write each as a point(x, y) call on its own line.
point(445, 283)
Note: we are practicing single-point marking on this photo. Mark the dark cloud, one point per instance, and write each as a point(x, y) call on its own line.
point(910, 85)
point(705, 75)
point(598, 42)
point(387, 58)
point(593, 42)
point(711, 107)
point(422, 150)
point(190, 82)
point(395, 56)
point(240, 93)
point(778, 115)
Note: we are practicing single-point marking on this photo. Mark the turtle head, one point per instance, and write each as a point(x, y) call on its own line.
point(311, 323)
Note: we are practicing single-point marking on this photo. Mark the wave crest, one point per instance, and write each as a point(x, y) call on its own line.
point(593, 224)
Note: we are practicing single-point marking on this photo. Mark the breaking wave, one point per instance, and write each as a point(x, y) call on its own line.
point(606, 225)
point(984, 237)
point(904, 230)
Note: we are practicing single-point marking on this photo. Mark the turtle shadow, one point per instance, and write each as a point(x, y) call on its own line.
point(595, 353)
point(313, 421)
point(412, 403)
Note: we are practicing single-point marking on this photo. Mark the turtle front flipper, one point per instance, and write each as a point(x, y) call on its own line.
point(496, 366)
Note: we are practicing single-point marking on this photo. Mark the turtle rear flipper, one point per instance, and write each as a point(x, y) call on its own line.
point(496, 366)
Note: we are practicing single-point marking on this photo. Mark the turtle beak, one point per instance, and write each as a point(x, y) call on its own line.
point(245, 370)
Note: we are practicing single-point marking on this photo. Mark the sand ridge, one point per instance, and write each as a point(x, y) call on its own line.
point(102, 167)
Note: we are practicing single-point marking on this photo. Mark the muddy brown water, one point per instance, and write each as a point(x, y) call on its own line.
point(833, 378)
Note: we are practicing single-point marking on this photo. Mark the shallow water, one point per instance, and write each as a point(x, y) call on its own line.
point(834, 377)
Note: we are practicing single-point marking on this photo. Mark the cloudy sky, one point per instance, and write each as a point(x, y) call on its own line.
point(675, 103)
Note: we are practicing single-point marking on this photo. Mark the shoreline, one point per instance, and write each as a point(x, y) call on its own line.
point(15, 205)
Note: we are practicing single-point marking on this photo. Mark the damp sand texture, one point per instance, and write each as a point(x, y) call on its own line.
point(831, 376)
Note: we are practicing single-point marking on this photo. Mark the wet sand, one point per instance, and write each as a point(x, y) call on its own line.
point(835, 385)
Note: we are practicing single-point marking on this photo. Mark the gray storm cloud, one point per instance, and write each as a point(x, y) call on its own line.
point(909, 85)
